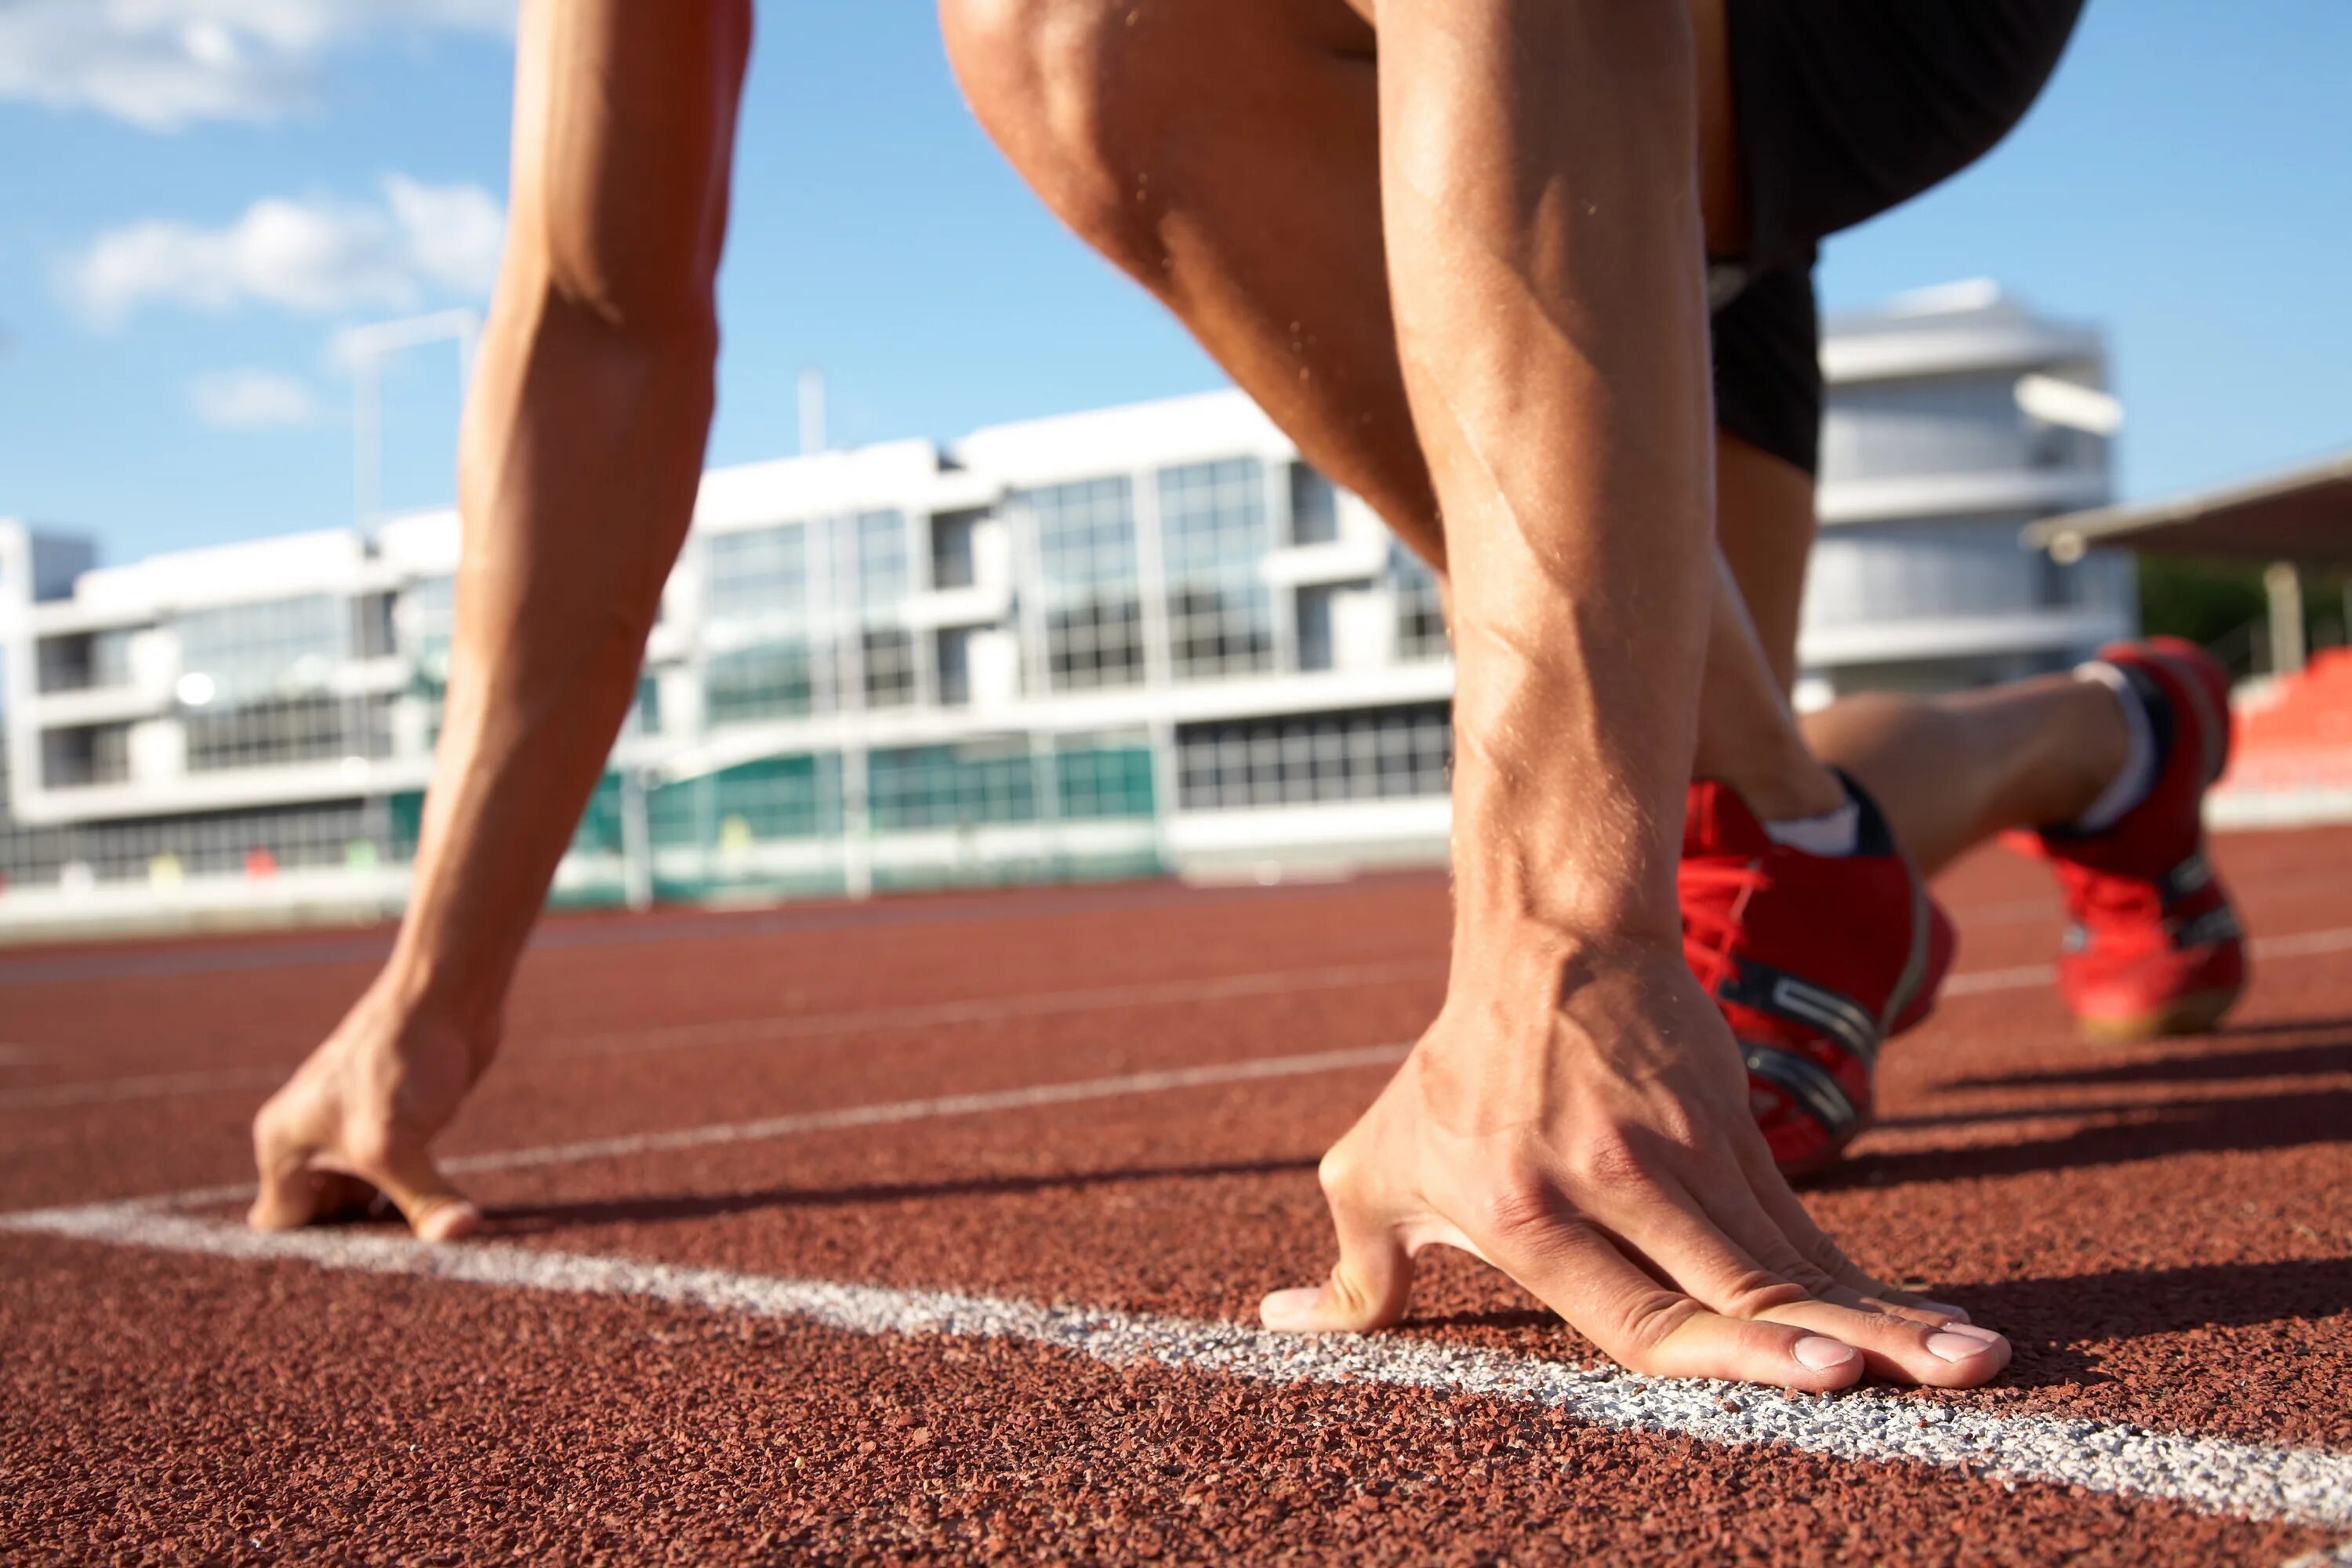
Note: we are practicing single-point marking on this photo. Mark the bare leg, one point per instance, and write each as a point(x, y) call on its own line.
point(1949, 772)
point(582, 447)
point(1225, 154)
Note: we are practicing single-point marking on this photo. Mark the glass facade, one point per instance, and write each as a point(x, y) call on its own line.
point(1420, 611)
point(1212, 523)
point(1089, 582)
point(1373, 754)
point(239, 653)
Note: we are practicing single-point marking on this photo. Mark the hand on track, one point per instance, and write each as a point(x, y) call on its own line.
point(1589, 1134)
point(353, 1123)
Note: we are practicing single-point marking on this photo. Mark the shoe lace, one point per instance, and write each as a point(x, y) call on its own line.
point(2102, 900)
point(1714, 894)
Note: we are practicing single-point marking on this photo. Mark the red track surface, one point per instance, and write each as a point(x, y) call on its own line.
point(2165, 1232)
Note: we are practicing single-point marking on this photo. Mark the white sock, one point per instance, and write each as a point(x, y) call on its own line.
point(2137, 775)
point(1832, 833)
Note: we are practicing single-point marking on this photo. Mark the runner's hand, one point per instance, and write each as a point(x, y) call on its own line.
point(356, 1122)
point(1592, 1138)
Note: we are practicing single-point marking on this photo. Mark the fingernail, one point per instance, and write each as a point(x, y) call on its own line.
point(1947, 1308)
point(1953, 1346)
point(1285, 1307)
point(447, 1222)
point(1822, 1354)
point(1982, 1336)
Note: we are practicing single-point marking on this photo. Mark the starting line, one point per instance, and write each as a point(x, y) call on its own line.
point(2210, 1474)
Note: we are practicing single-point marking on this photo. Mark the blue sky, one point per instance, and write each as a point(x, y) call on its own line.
point(199, 197)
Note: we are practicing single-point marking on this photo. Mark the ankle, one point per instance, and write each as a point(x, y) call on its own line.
point(1801, 787)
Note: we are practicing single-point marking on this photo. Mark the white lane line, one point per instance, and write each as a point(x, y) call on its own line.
point(934, 1015)
point(1026, 1098)
point(1975, 982)
point(789, 1026)
point(2326, 1557)
point(2212, 1474)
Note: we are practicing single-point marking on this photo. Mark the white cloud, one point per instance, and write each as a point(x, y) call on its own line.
point(315, 256)
point(164, 64)
point(243, 399)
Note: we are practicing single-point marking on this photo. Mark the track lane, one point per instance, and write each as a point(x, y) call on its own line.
point(586, 1427)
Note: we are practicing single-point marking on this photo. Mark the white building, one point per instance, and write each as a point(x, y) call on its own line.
point(1956, 417)
point(1138, 639)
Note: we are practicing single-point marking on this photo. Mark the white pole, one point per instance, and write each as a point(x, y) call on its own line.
point(367, 449)
point(368, 347)
point(813, 431)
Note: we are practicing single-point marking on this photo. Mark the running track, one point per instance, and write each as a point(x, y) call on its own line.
point(932, 1229)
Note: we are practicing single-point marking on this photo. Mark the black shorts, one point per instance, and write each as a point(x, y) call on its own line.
point(1842, 110)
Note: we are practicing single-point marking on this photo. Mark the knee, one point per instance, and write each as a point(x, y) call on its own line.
point(1064, 90)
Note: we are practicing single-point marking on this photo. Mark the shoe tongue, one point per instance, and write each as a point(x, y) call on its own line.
point(1716, 821)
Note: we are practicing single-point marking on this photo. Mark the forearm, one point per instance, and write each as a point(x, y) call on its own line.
point(583, 449)
point(1545, 249)
point(580, 456)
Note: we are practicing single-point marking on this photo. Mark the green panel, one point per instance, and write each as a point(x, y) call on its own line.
point(405, 815)
point(1100, 783)
point(758, 802)
point(932, 787)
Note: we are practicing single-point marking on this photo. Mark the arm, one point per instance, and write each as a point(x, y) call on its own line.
point(578, 464)
point(1578, 1113)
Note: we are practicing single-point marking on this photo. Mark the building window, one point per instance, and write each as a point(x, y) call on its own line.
point(85, 755)
point(758, 575)
point(918, 787)
point(371, 628)
point(1086, 550)
point(1867, 573)
point(884, 580)
point(1374, 753)
point(954, 563)
point(645, 712)
point(1916, 429)
point(83, 661)
point(953, 648)
point(1420, 611)
point(270, 648)
point(1220, 613)
point(1313, 507)
point(1102, 777)
point(888, 657)
point(1314, 620)
point(278, 732)
point(344, 833)
point(772, 798)
point(770, 680)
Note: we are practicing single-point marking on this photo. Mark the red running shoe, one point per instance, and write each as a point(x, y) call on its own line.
point(2154, 946)
point(1813, 959)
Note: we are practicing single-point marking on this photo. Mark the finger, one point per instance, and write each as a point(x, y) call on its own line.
point(292, 1192)
point(1903, 1349)
point(1726, 1256)
point(1650, 1329)
point(1369, 1284)
point(290, 1199)
point(303, 1180)
point(431, 1204)
point(1787, 1212)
